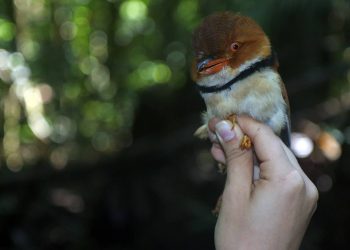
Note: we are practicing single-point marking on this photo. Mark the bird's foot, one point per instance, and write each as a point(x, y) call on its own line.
point(221, 168)
point(233, 119)
point(246, 142)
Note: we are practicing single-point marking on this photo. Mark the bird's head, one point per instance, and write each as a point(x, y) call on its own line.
point(227, 39)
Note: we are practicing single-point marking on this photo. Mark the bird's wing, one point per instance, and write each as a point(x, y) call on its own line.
point(286, 131)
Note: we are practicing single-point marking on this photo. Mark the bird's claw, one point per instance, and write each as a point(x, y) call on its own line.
point(233, 119)
point(217, 208)
point(221, 168)
point(246, 142)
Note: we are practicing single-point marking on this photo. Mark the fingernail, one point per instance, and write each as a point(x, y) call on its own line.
point(212, 136)
point(225, 131)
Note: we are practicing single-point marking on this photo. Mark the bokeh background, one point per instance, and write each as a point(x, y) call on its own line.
point(97, 112)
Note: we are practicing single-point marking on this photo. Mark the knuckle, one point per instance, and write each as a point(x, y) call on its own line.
point(236, 155)
point(312, 197)
point(262, 130)
point(313, 193)
point(257, 132)
point(294, 183)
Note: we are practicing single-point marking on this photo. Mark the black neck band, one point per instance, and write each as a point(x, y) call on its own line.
point(266, 62)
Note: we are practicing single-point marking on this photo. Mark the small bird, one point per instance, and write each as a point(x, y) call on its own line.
point(235, 70)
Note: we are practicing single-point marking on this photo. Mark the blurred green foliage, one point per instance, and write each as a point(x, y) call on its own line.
point(90, 81)
point(73, 69)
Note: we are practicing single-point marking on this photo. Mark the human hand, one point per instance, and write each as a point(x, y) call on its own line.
point(271, 212)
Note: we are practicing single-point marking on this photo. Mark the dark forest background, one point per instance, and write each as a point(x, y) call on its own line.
point(97, 112)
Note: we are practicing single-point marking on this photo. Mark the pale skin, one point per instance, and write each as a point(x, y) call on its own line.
point(272, 212)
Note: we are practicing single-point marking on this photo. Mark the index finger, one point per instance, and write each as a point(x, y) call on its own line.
point(268, 147)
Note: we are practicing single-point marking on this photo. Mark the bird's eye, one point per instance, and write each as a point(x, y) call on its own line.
point(234, 46)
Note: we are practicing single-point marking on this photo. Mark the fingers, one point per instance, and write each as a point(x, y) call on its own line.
point(310, 188)
point(211, 130)
point(276, 159)
point(216, 149)
point(239, 162)
point(262, 136)
point(218, 153)
point(268, 148)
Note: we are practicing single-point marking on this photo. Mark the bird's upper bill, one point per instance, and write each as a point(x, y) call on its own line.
point(210, 66)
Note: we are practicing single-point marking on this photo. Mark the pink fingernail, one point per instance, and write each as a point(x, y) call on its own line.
point(225, 131)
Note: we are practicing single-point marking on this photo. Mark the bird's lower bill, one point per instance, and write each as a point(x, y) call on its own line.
point(213, 66)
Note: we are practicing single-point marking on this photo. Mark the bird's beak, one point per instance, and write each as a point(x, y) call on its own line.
point(210, 66)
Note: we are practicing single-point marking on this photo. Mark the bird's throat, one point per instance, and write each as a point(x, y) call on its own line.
point(244, 73)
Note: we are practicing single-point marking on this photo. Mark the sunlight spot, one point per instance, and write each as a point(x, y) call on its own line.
point(11, 141)
point(39, 125)
point(161, 73)
point(98, 44)
point(20, 72)
point(29, 48)
point(157, 72)
point(176, 59)
point(301, 145)
point(67, 199)
point(186, 13)
point(87, 64)
point(100, 77)
point(72, 91)
point(324, 183)
point(59, 158)
point(7, 30)
point(329, 146)
point(14, 162)
point(63, 128)
point(101, 141)
point(22, 4)
point(30, 153)
point(32, 99)
point(68, 31)
point(46, 93)
point(15, 59)
point(4, 59)
point(332, 107)
point(133, 10)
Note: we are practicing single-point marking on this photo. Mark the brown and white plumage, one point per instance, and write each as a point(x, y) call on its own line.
point(231, 46)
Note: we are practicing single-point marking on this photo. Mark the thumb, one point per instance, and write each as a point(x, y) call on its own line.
point(239, 162)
